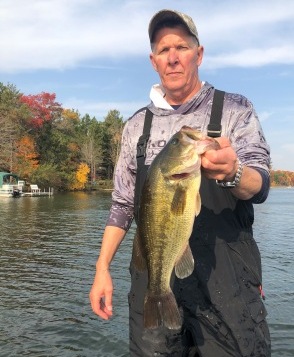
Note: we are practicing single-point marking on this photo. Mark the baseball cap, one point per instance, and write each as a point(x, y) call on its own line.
point(166, 15)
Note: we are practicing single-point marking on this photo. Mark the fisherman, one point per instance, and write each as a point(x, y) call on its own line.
point(221, 301)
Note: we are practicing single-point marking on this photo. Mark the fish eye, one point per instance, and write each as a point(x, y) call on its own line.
point(175, 141)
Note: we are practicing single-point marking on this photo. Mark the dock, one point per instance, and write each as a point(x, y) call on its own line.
point(37, 192)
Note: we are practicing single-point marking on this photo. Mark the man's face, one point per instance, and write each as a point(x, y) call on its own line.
point(176, 57)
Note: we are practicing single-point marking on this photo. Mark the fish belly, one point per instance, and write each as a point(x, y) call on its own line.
point(165, 238)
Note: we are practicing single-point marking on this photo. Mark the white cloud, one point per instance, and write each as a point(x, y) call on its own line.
point(252, 57)
point(60, 34)
point(100, 109)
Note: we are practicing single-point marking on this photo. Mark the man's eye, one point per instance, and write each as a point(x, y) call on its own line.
point(181, 48)
point(163, 50)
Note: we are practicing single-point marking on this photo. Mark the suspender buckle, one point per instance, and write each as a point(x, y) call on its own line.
point(142, 145)
point(214, 130)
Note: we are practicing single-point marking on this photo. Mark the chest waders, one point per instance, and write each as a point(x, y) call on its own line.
point(223, 314)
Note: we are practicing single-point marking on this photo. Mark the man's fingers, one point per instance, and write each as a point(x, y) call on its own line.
point(101, 310)
point(98, 307)
point(104, 311)
point(108, 303)
point(101, 295)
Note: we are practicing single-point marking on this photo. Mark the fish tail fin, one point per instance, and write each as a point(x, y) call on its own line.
point(161, 310)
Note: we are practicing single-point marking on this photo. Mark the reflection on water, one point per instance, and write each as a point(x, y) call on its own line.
point(49, 247)
point(274, 230)
point(48, 252)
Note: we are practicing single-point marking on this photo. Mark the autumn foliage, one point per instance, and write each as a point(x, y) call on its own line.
point(44, 143)
point(26, 157)
point(81, 177)
point(43, 108)
point(282, 178)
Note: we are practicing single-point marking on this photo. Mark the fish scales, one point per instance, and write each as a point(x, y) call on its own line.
point(159, 227)
point(169, 203)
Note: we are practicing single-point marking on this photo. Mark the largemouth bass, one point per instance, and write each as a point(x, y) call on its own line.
point(169, 203)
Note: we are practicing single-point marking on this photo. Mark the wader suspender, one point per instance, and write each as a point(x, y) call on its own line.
point(214, 130)
point(141, 154)
point(143, 140)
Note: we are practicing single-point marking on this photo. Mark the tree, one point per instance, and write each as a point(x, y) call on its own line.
point(13, 114)
point(26, 157)
point(44, 111)
point(282, 178)
point(54, 131)
point(113, 126)
point(43, 108)
point(47, 144)
point(48, 175)
point(81, 177)
point(90, 138)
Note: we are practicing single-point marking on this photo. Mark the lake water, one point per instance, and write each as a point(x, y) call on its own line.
point(49, 247)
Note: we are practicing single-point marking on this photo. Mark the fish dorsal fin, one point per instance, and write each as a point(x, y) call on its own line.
point(185, 265)
point(138, 261)
point(179, 201)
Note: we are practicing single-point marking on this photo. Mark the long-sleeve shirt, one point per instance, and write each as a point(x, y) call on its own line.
point(239, 123)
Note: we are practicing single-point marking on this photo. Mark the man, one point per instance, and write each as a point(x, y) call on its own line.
point(223, 314)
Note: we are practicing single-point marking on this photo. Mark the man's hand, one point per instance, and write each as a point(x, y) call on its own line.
point(102, 288)
point(221, 164)
point(101, 294)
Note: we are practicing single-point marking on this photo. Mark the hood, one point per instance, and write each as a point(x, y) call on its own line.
point(159, 105)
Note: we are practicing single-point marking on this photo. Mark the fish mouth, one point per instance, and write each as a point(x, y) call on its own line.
point(181, 176)
point(186, 172)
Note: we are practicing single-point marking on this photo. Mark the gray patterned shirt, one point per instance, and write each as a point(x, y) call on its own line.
point(239, 123)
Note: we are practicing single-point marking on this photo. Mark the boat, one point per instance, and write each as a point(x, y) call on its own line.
point(10, 185)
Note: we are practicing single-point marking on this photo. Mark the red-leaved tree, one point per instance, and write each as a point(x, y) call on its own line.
point(43, 108)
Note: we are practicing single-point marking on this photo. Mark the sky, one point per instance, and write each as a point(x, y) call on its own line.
point(94, 55)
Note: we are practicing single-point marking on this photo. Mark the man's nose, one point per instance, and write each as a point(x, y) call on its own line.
point(173, 57)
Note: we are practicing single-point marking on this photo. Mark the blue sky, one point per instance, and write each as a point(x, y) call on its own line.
point(94, 54)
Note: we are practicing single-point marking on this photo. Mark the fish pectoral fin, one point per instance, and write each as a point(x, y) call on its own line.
point(138, 260)
point(198, 204)
point(185, 265)
point(161, 310)
point(179, 201)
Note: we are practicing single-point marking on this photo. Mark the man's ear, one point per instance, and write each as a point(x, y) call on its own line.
point(200, 55)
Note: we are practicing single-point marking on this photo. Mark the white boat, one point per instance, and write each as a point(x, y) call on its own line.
point(10, 186)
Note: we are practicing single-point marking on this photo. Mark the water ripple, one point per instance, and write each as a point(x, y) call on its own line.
point(48, 252)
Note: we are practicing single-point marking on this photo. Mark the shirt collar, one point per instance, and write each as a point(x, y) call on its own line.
point(157, 95)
